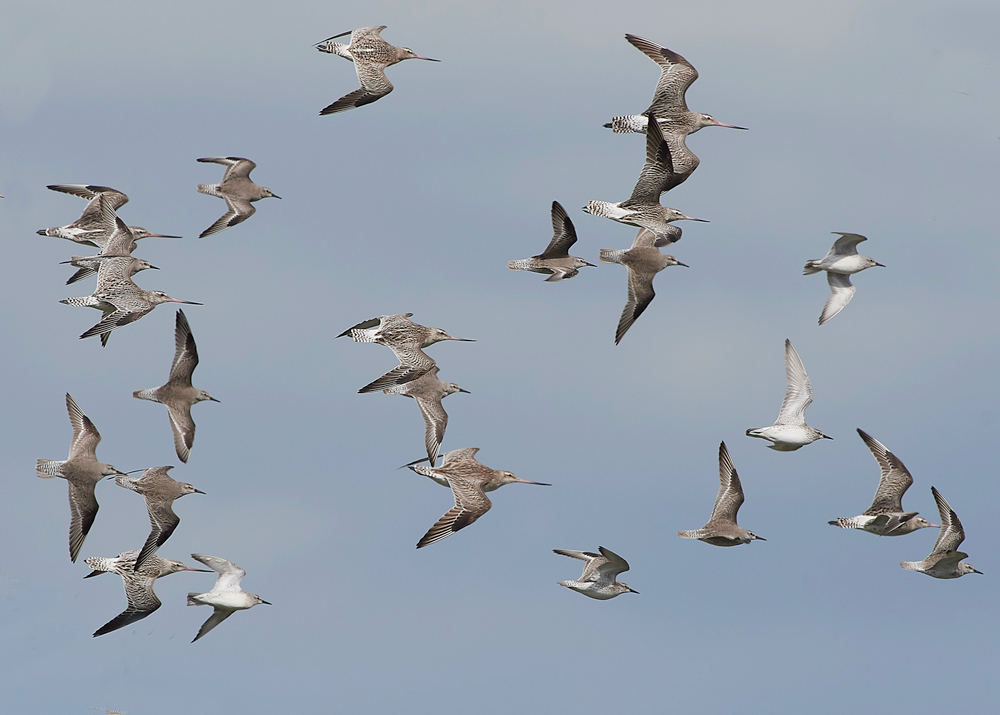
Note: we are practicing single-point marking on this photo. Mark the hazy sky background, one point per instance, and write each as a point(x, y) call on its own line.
point(879, 118)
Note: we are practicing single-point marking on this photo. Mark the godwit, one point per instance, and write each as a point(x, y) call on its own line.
point(142, 600)
point(82, 470)
point(944, 560)
point(178, 394)
point(405, 338)
point(722, 529)
point(226, 595)
point(670, 108)
point(94, 225)
point(115, 239)
point(599, 579)
point(643, 262)
point(469, 481)
point(885, 516)
point(643, 208)
point(237, 189)
point(159, 491)
point(121, 300)
point(790, 431)
point(93, 221)
point(555, 260)
point(447, 459)
point(839, 264)
point(370, 55)
point(428, 391)
point(90, 265)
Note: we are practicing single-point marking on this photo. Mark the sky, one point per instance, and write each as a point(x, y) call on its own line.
point(878, 118)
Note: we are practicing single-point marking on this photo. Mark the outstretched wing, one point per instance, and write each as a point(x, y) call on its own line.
point(563, 234)
point(470, 504)
point(798, 394)
point(676, 75)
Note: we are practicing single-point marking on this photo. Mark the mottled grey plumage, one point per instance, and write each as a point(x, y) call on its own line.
point(944, 559)
point(120, 299)
point(116, 240)
point(370, 55)
point(447, 459)
point(555, 260)
point(790, 431)
point(885, 517)
point(469, 480)
point(722, 529)
point(643, 261)
point(226, 595)
point(405, 338)
point(91, 265)
point(236, 189)
point(839, 263)
point(93, 222)
point(142, 600)
point(670, 108)
point(97, 223)
point(82, 470)
point(159, 491)
point(599, 579)
point(643, 208)
point(178, 394)
point(428, 391)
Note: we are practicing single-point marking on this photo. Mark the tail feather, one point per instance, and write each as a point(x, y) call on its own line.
point(609, 255)
point(811, 267)
point(48, 468)
point(210, 189)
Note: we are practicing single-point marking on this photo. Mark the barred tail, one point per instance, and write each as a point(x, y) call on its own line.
point(48, 468)
point(609, 255)
point(852, 522)
point(210, 189)
point(629, 124)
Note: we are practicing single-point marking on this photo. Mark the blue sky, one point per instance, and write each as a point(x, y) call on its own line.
point(877, 118)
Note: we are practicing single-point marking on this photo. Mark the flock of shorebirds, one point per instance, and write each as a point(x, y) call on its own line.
point(123, 302)
point(666, 123)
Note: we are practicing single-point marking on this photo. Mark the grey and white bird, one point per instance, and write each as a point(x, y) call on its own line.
point(555, 259)
point(178, 395)
point(643, 261)
point(790, 431)
point(600, 576)
point(236, 189)
point(670, 107)
point(944, 561)
point(406, 340)
point(119, 298)
point(142, 600)
point(159, 491)
point(82, 471)
point(97, 223)
point(370, 55)
point(840, 263)
point(447, 459)
point(226, 595)
point(116, 240)
point(428, 392)
point(885, 517)
point(469, 480)
point(643, 208)
point(91, 265)
point(722, 529)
